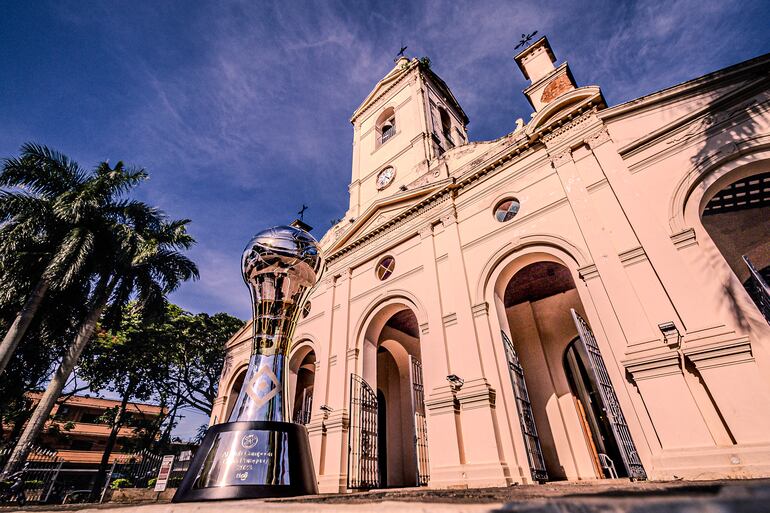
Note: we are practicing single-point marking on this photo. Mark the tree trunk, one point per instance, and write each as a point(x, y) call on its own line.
point(23, 319)
point(165, 438)
point(52, 393)
point(101, 473)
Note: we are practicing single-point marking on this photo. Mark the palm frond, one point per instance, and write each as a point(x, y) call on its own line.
point(41, 170)
point(70, 260)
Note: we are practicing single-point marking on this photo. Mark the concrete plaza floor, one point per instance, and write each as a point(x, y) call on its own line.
point(615, 496)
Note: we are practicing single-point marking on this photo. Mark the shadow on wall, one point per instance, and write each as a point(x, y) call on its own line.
point(730, 127)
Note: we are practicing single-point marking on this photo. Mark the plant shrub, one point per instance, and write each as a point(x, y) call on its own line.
point(121, 482)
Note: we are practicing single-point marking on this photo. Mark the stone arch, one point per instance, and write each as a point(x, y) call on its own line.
point(497, 273)
point(234, 385)
point(383, 301)
point(556, 246)
point(306, 344)
point(687, 200)
point(303, 354)
point(570, 99)
point(718, 255)
point(540, 326)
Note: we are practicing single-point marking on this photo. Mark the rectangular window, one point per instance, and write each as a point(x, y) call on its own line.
point(81, 445)
point(91, 418)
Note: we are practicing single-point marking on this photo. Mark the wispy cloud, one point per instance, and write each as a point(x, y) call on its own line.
point(240, 109)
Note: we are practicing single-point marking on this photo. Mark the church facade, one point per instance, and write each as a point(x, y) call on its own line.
point(583, 298)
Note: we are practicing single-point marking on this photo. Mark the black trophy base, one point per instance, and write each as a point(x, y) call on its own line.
point(248, 460)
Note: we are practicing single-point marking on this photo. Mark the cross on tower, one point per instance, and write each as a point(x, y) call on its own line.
point(302, 212)
point(525, 40)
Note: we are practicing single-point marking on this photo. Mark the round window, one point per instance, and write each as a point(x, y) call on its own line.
point(385, 267)
point(306, 309)
point(507, 209)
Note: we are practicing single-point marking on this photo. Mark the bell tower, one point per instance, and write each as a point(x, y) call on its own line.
point(408, 120)
point(547, 82)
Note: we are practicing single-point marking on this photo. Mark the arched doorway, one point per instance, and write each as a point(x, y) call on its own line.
point(736, 218)
point(235, 390)
point(563, 393)
point(388, 437)
point(301, 381)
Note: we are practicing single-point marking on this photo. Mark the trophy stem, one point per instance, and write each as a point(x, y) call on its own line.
point(262, 395)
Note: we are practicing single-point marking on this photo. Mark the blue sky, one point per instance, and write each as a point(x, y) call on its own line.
point(240, 110)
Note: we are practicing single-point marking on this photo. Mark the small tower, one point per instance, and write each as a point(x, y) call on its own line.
point(547, 82)
point(409, 119)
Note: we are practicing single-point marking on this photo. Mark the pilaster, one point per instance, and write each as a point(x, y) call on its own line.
point(676, 278)
point(625, 303)
point(218, 410)
point(334, 477)
point(442, 417)
point(338, 344)
point(461, 337)
point(722, 357)
point(734, 381)
point(478, 461)
point(678, 422)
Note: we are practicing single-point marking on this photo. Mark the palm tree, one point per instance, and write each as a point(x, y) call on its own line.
point(139, 257)
point(53, 210)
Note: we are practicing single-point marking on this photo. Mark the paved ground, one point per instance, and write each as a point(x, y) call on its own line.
point(618, 496)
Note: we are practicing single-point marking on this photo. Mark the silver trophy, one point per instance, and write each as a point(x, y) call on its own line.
point(257, 453)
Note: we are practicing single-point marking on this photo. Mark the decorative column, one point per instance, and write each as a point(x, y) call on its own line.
point(445, 449)
point(315, 427)
point(489, 326)
point(734, 381)
point(476, 398)
point(336, 417)
point(628, 308)
point(687, 298)
point(217, 409)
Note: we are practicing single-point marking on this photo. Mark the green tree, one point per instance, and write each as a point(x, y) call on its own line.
point(196, 344)
point(174, 357)
point(51, 214)
point(200, 356)
point(134, 362)
point(136, 253)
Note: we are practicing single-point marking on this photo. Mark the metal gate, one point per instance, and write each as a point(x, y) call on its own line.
point(40, 473)
point(363, 473)
point(758, 289)
point(420, 425)
point(610, 405)
point(138, 468)
point(524, 407)
point(306, 403)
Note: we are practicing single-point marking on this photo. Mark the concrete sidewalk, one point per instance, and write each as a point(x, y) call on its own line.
point(616, 496)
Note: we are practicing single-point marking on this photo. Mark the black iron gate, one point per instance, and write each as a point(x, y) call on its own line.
point(524, 408)
point(758, 289)
point(420, 424)
point(363, 473)
point(610, 405)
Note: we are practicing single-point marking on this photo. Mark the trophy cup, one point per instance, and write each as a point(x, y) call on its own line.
point(259, 452)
